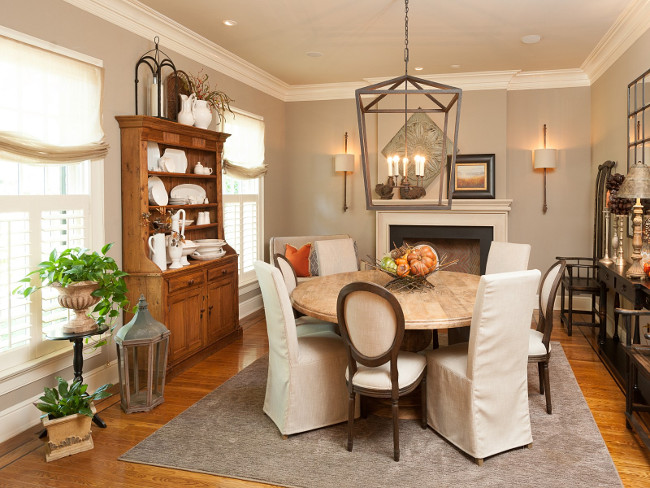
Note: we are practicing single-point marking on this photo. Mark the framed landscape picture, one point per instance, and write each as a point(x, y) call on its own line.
point(474, 177)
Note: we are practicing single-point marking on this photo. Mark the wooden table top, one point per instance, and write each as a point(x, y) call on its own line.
point(449, 304)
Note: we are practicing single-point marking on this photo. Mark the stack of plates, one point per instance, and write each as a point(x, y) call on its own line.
point(178, 201)
point(192, 193)
point(208, 249)
point(157, 193)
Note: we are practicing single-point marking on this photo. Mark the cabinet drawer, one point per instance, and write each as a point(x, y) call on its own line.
point(607, 277)
point(222, 271)
point(185, 281)
point(625, 289)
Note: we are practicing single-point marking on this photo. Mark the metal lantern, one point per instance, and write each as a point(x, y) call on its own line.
point(152, 59)
point(142, 346)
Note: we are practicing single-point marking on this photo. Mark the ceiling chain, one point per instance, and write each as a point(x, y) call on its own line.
point(406, 35)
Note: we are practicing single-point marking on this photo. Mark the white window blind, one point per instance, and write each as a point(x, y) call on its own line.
point(242, 189)
point(53, 100)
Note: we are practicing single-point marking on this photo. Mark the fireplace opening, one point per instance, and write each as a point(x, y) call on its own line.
point(469, 244)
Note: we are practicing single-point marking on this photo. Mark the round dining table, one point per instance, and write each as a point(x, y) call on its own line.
point(448, 304)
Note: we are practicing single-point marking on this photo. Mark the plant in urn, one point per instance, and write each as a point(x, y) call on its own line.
point(206, 100)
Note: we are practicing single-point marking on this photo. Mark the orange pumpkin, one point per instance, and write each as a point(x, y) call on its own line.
point(426, 251)
point(414, 255)
point(429, 262)
point(399, 261)
point(418, 268)
point(403, 269)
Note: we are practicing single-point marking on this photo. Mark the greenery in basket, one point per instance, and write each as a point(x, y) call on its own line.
point(74, 265)
point(69, 400)
point(199, 85)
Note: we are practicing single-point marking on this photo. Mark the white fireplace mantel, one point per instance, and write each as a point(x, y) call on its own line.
point(463, 213)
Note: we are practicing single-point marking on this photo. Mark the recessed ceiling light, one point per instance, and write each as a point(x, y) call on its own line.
point(314, 54)
point(531, 39)
point(455, 66)
point(418, 68)
point(229, 22)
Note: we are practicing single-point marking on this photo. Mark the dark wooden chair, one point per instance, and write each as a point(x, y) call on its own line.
point(372, 326)
point(580, 276)
point(539, 344)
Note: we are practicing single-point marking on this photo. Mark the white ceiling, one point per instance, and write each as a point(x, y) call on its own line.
point(361, 39)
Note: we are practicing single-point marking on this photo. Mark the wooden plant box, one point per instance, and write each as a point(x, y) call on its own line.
point(67, 435)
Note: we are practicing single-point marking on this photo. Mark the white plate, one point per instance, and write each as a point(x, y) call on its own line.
point(188, 222)
point(207, 257)
point(218, 242)
point(203, 249)
point(153, 154)
point(157, 193)
point(179, 157)
point(188, 191)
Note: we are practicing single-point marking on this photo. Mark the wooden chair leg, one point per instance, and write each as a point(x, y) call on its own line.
point(547, 388)
point(569, 322)
point(396, 429)
point(562, 309)
point(350, 418)
point(540, 370)
point(423, 386)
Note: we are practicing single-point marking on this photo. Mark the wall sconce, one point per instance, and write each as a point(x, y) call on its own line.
point(545, 159)
point(345, 163)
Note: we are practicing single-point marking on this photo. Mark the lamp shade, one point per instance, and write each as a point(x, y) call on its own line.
point(545, 158)
point(344, 162)
point(637, 182)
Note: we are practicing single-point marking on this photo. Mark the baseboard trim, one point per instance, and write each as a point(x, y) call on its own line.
point(24, 415)
point(250, 306)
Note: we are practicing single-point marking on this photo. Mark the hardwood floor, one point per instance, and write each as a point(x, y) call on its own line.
point(22, 461)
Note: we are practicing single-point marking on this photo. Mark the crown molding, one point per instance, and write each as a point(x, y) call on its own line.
point(540, 80)
point(146, 22)
point(633, 22)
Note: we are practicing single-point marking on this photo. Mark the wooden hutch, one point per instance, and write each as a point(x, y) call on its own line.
point(198, 303)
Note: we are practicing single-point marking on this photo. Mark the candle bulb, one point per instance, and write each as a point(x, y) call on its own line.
point(406, 163)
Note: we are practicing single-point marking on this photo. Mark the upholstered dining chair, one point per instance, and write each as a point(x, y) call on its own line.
point(336, 256)
point(505, 257)
point(372, 325)
point(477, 392)
point(289, 276)
point(305, 386)
point(539, 343)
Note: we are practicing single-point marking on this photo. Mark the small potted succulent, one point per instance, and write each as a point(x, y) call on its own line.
point(67, 412)
point(83, 280)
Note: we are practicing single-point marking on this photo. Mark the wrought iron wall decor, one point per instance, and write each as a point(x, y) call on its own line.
point(420, 96)
point(152, 59)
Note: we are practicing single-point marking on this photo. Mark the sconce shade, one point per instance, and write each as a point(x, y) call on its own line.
point(344, 162)
point(637, 182)
point(545, 158)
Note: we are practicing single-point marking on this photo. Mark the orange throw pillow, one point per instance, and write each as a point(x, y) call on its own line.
point(299, 259)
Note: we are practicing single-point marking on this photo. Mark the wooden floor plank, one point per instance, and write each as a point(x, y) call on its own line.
point(22, 463)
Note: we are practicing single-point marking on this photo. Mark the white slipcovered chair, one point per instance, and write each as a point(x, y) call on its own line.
point(336, 256)
point(539, 344)
point(305, 387)
point(372, 325)
point(477, 393)
point(505, 257)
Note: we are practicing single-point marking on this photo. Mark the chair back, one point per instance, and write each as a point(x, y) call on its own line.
point(372, 325)
point(280, 322)
point(547, 292)
point(336, 256)
point(498, 339)
point(505, 257)
point(288, 273)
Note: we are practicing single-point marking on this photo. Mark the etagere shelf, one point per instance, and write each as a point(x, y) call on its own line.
point(198, 303)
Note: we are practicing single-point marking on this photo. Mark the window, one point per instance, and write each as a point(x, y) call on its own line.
point(49, 129)
point(243, 189)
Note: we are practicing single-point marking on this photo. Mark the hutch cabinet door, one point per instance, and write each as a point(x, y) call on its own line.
point(222, 308)
point(184, 320)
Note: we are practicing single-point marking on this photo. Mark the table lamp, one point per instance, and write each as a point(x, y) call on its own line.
point(636, 186)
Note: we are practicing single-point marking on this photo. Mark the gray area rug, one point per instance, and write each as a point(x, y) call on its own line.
point(227, 434)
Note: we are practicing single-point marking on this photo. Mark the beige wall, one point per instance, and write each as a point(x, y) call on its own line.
point(567, 226)
point(60, 23)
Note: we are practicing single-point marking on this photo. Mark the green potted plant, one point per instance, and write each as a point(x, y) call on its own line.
point(68, 410)
point(84, 280)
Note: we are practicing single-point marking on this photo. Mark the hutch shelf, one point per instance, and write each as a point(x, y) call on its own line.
point(198, 303)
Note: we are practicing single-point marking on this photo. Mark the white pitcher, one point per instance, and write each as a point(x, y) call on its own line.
point(185, 115)
point(158, 252)
point(176, 227)
point(202, 114)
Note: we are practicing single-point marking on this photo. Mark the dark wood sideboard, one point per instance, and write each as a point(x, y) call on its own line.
point(629, 368)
